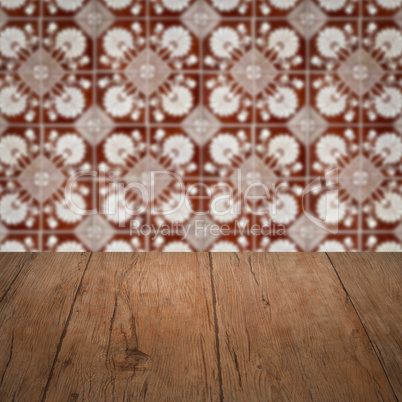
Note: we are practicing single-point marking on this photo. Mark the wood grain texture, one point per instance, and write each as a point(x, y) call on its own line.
point(142, 329)
point(11, 266)
point(374, 284)
point(33, 313)
point(288, 331)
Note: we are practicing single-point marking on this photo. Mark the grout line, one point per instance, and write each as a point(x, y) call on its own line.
point(364, 327)
point(218, 353)
point(361, 129)
point(65, 330)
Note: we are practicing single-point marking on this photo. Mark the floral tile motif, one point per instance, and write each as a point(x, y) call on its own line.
point(381, 242)
point(20, 205)
point(229, 150)
point(335, 47)
point(20, 8)
point(175, 44)
point(123, 8)
point(229, 46)
point(19, 148)
point(279, 152)
point(121, 100)
point(228, 100)
point(382, 207)
point(280, 45)
point(279, 8)
point(201, 125)
point(19, 243)
point(121, 45)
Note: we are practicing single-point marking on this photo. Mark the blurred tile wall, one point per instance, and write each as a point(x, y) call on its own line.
point(224, 94)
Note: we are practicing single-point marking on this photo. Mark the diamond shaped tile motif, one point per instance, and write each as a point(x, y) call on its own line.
point(147, 71)
point(360, 72)
point(360, 178)
point(200, 18)
point(41, 178)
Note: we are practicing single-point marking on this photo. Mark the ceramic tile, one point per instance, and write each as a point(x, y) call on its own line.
point(20, 8)
point(160, 109)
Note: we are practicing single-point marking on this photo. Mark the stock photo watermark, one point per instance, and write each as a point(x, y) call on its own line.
point(129, 202)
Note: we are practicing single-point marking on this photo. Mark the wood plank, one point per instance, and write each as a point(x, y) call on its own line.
point(33, 315)
point(142, 329)
point(374, 283)
point(11, 265)
point(288, 331)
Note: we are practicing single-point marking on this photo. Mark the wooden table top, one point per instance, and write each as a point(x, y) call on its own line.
point(199, 326)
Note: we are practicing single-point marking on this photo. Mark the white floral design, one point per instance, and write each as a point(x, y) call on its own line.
point(72, 42)
point(224, 246)
point(71, 147)
point(70, 5)
point(119, 246)
point(12, 210)
point(330, 101)
point(330, 41)
point(177, 40)
point(11, 4)
point(330, 209)
point(175, 5)
point(389, 103)
point(224, 102)
point(224, 41)
point(331, 246)
point(117, 101)
point(178, 101)
point(70, 246)
point(284, 209)
point(390, 4)
point(283, 103)
point(223, 148)
point(285, 42)
point(117, 4)
point(332, 5)
point(179, 148)
point(283, 4)
point(279, 246)
point(177, 247)
point(118, 148)
point(330, 148)
point(117, 41)
point(284, 148)
point(389, 145)
point(70, 103)
point(389, 246)
point(12, 41)
point(176, 209)
point(389, 209)
point(12, 148)
point(65, 214)
point(225, 5)
point(389, 41)
point(12, 101)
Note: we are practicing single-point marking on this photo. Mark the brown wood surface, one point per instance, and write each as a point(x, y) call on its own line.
point(287, 331)
point(142, 329)
point(33, 315)
point(373, 281)
point(198, 326)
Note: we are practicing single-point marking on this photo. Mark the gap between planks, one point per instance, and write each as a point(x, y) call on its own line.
point(65, 329)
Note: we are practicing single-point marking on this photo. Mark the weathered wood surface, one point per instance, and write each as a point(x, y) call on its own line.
point(34, 312)
point(373, 281)
point(288, 331)
point(142, 329)
point(198, 326)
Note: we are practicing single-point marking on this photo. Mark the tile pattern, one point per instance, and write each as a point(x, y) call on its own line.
point(283, 90)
